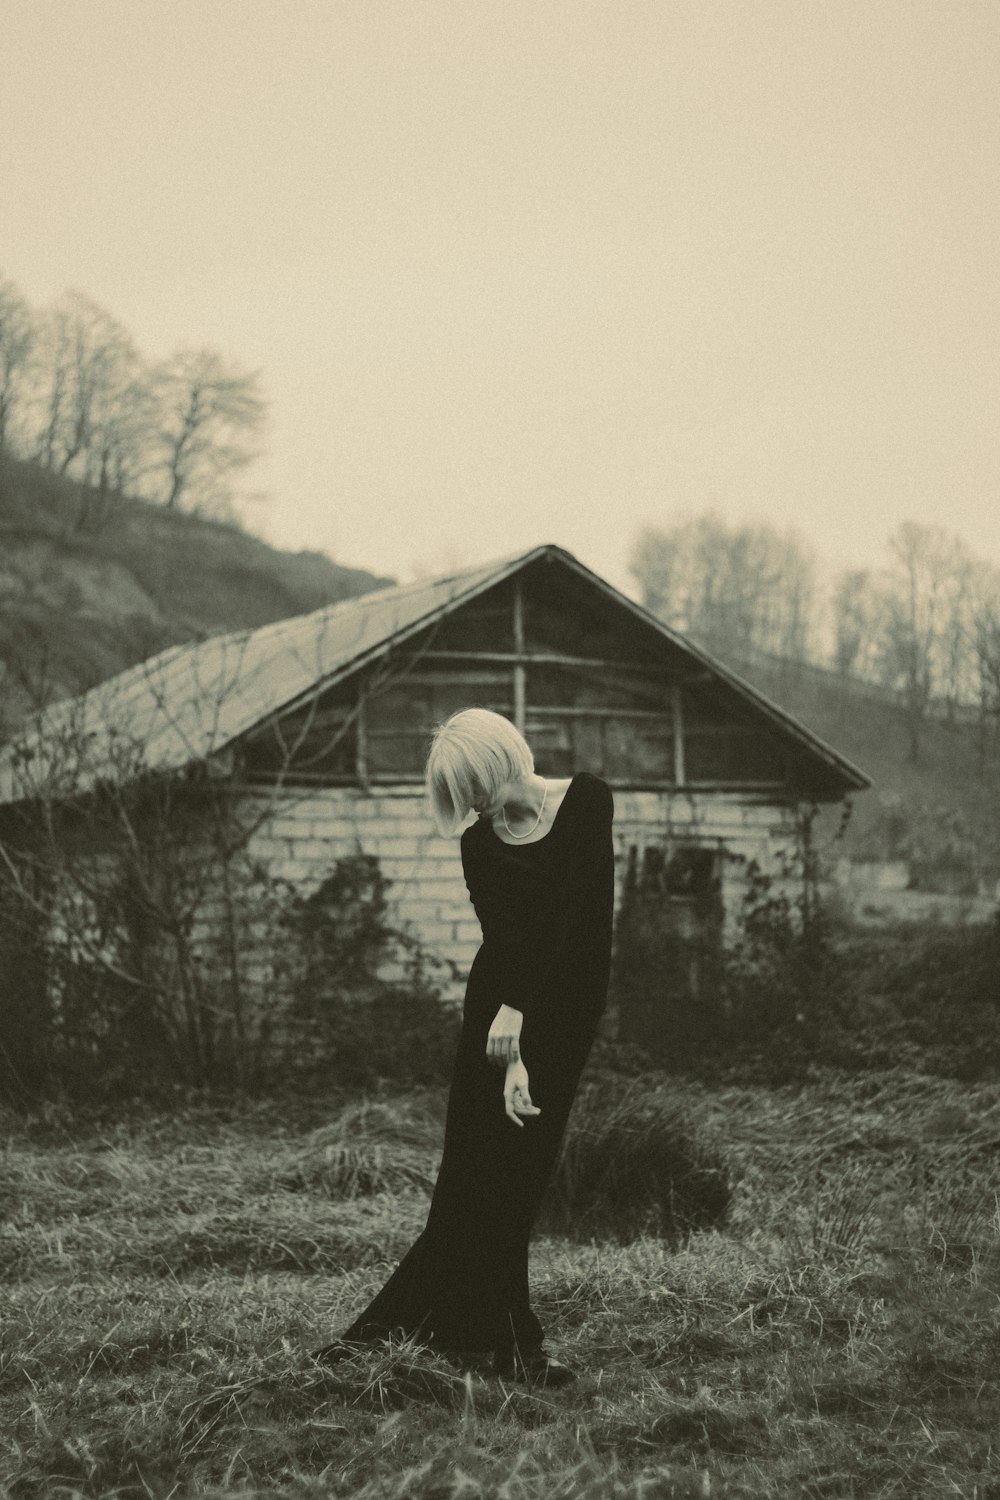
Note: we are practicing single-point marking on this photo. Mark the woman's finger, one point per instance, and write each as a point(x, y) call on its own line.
point(521, 1101)
point(509, 1111)
point(503, 1048)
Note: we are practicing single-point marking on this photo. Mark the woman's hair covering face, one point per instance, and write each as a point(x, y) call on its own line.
point(472, 755)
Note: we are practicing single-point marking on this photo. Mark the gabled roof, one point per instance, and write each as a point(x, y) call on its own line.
point(191, 701)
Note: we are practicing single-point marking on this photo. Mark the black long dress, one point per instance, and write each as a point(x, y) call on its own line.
point(546, 911)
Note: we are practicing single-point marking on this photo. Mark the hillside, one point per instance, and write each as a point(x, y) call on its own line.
point(941, 813)
point(90, 586)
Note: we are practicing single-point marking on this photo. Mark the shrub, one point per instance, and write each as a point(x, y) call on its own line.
point(925, 997)
point(372, 1147)
point(635, 1166)
point(345, 1020)
point(779, 981)
point(25, 998)
point(68, 1025)
point(278, 991)
point(795, 990)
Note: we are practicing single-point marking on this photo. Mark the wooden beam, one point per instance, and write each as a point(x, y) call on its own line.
point(680, 774)
point(550, 659)
point(592, 711)
point(361, 736)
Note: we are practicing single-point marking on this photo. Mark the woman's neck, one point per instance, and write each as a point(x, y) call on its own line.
point(521, 799)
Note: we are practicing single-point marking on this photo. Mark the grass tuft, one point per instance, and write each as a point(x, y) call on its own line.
point(640, 1166)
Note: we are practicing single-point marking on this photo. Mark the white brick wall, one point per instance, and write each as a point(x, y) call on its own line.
point(304, 836)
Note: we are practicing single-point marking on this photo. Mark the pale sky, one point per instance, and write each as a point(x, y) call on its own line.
point(521, 270)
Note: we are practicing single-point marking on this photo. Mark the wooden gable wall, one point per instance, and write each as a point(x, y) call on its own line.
point(590, 685)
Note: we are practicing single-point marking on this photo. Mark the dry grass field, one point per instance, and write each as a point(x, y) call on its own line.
point(164, 1275)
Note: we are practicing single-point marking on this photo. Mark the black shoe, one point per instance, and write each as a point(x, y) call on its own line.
point(537, 1368)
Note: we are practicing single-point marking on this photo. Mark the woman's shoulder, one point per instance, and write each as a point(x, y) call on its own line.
point(472, 849)
point(593, 782)
point(474, 832)
point(596, 789)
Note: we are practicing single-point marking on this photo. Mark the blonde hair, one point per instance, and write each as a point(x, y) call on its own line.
point(472, 754)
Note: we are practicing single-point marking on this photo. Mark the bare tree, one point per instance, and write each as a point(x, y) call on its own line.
point(984, 616)
point(208, 411)
point(121, 451)
point(858, 619)
point(87, 366)
point(92, 409)
point(17, 335)
point(738, 590)
point(956, 649)
point(853, 610)
point(53, 381)
point(916, 586)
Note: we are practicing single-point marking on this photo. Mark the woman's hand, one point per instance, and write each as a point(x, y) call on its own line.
point(516, 1099)
point(503, 1044)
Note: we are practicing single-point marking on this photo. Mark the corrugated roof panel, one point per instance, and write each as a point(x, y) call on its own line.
point(192, 700)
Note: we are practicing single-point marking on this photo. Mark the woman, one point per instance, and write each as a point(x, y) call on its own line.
point(539, 867)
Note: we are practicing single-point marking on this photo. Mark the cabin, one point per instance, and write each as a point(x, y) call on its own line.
point(322, 724)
